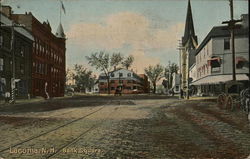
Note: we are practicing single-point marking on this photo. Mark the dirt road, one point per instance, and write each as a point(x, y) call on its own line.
point(123, 127)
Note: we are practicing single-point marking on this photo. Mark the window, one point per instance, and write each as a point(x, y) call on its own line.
point(241, 64)
point(112, 75)
point(1, 64)
point(129, 74)
point(22, 51)
point(112, 81)
point(120, 74)
point(227, 44)
point(120, 81)
point(22, 68)
point(215, 63)
point(128, 88)
point(101, 83)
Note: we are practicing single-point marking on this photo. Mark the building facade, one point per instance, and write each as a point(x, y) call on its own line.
point(15, 57)
point(189, 43)
point(214, 58)
point(125, 80)
point(48, 56)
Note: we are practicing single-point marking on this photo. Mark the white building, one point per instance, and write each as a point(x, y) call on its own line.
point(214, 58)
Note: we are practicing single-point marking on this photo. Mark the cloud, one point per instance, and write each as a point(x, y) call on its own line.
point(142, 61)
point(122, 29)
point(127, 29)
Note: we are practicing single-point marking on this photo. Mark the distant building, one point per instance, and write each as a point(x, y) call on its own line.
point(48, 56)
point(189, 43)
point(22, 48)
point(214, 58)
point(126, 80)
point(93, 89)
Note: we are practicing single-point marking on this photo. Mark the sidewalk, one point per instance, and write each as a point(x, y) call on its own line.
point(204, 98)
point(22, 101)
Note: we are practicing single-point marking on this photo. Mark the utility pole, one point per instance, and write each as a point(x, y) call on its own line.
point(231, 26)
point(13, 94)
point(180, 48)
point(188, 73)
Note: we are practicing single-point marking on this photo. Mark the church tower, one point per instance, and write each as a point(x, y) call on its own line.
point(189, 43)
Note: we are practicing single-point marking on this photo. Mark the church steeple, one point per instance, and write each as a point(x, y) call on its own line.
point(189, 34)
point(60, 32)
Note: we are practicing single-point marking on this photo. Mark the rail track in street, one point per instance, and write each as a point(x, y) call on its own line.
point(53, 129)
point(95, 126)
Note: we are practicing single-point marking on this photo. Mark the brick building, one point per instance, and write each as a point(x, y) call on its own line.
point(128, 81)
point(48, 56)
point(19, 52)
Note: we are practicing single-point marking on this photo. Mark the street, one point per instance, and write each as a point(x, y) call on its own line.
point(140, 126)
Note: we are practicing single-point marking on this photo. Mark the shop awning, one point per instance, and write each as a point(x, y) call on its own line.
point(214, 59)
point(219, 79)
point(238, 59)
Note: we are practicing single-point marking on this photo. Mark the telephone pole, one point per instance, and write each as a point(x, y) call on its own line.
point(180, 48)
point(231, 26)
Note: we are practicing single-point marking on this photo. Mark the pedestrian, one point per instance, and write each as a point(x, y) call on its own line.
point(7, 97)
point(172, 92)
point(181, 93)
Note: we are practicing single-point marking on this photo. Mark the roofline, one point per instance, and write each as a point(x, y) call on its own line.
point(209, 37)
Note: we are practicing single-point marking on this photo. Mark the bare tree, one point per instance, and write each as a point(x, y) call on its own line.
point(154, 73)
point(128, 61)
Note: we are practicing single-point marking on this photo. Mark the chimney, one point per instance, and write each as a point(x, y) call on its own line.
point(6, 10)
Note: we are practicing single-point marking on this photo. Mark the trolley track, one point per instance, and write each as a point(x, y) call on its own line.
point(52, 130)
point(79, 137)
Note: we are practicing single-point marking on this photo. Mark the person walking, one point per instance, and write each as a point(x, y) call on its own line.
point(7, 97)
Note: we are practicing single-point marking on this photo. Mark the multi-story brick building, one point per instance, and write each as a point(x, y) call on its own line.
point(48, 56)
point(126, 80)
point(19, 52)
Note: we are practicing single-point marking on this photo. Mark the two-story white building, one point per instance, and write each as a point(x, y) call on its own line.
point(214, 58)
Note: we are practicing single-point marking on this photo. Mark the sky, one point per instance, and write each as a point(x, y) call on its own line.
point(147, 29)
